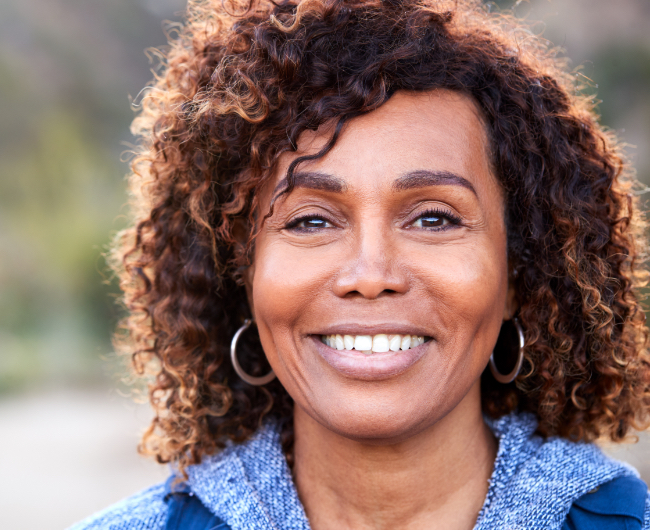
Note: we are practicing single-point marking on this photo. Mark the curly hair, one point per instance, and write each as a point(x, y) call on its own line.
point(237, 86)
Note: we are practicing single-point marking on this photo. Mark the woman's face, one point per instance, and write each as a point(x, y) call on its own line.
point(399, 231)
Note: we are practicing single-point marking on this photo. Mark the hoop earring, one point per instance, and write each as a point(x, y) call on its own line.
point(255, 381)
point(509, 378)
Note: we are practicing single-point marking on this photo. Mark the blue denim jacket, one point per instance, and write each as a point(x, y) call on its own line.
point(533, 486)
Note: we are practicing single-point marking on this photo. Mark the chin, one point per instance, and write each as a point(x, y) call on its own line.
point(379, 423)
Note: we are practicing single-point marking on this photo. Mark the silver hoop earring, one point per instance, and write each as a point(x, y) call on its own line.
point(255, 381)
point(509, 378)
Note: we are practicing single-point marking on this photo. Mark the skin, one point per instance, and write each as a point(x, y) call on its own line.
point(403, 447)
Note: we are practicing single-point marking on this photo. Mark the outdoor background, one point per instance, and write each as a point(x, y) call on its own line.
point(68, 71)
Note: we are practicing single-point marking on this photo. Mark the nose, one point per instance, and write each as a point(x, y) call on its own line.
point(372, 269)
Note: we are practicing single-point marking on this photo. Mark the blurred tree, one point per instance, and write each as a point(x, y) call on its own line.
point(67, 69)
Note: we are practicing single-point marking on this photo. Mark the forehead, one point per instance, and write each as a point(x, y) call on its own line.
point(438, 130)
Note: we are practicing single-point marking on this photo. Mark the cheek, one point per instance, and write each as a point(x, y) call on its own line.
point(469, 296)
point(286, 279)
point(286, 283)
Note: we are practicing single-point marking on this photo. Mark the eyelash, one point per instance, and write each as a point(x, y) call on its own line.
point(436, 212)
point(293, 224)
point(453, 220)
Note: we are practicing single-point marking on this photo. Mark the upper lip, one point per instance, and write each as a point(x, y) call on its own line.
point(388, 328)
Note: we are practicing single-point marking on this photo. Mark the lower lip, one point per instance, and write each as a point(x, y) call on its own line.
point(374, 367)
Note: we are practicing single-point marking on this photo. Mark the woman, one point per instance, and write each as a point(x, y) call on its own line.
point(345, 212)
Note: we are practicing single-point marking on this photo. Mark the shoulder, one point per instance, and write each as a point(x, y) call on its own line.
point(646, 516)
point(144, 510)
point(525, 454)
point(536, 480)
point(619, 503)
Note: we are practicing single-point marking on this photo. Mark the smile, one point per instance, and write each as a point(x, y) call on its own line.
point(370, 344)
point(370, 357)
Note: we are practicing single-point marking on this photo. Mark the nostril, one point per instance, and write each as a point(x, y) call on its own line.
point(358, 294)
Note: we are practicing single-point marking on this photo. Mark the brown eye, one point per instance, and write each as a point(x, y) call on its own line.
point(435, 220)
point(430, 221)
point(309, 223)
point(313, 223)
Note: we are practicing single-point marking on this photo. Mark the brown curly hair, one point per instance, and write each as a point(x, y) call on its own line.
point(236, 88)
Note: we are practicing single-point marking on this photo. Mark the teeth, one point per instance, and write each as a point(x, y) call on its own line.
point(380, 343)
point(363, 342)
point(370, 344)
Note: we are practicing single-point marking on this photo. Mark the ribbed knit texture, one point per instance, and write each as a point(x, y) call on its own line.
point(249, 486)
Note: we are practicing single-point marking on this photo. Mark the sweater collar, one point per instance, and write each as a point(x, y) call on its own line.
point(250, 485)
point(536, 480)
point(533, 484)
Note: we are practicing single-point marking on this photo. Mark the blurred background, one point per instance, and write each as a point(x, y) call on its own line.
point(68, 72)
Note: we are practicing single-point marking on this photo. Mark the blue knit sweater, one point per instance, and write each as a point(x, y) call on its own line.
point(249, 486)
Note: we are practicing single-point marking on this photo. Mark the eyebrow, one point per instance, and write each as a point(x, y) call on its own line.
point(423, 178)
point(313, 180)
point(412, 180)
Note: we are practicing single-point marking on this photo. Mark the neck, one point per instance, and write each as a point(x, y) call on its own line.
point(437, 478)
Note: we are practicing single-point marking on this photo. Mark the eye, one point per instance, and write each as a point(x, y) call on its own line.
point(435, 219)
point(308, 223)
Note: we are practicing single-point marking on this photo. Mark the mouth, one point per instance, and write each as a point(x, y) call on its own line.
point(371, 357)
point(370, 344)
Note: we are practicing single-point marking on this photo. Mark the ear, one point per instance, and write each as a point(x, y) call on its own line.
point(512, 305)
